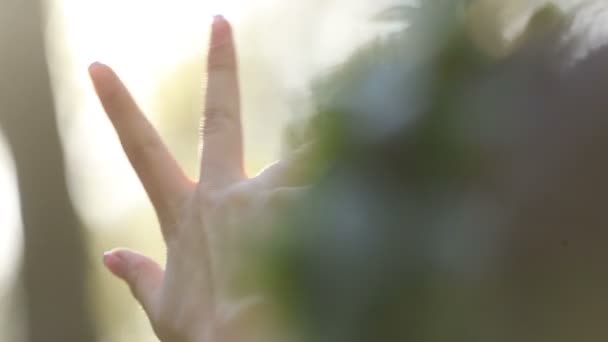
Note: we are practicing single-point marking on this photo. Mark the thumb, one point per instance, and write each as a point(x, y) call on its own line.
point(143, 275)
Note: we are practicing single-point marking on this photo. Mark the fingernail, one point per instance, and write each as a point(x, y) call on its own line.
point(219, 30)
point(106, 255)
point(95, 65)
point(113, 262)
point(97, 70)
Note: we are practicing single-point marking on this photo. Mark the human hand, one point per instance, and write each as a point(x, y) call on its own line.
point(184, 301)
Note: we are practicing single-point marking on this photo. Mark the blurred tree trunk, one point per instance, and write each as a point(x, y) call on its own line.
point(54, 274)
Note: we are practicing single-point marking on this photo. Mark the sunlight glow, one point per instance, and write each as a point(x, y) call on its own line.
point(10, 227)
point(143, 41)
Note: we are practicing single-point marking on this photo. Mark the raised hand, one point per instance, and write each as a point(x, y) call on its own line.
point(184, 300)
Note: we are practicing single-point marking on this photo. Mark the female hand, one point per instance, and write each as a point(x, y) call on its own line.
point(184, 301)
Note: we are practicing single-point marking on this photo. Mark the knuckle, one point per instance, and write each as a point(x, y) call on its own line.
point(175, 209)
point(238, 195)
point(208, 195)
point(215, 120)
point(219, 60)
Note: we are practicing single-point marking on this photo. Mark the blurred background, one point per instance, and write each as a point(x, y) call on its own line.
point(57, 147)
point(158, 48)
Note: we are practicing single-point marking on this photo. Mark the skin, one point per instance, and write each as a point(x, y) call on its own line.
point(184, 301)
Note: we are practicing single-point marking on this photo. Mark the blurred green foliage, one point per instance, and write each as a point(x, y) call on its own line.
point(413, 229)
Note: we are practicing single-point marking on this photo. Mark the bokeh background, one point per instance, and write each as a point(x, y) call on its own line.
point(158, 48)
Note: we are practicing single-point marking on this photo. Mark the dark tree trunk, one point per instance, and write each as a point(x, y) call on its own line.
point(54, 264)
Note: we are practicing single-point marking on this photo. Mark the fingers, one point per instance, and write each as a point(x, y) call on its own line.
point(143, 275)
point(294, 170)
point(260, 201)
point(158, 171)
point(222, 156)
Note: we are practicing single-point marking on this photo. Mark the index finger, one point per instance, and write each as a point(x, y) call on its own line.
point(159, 173)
